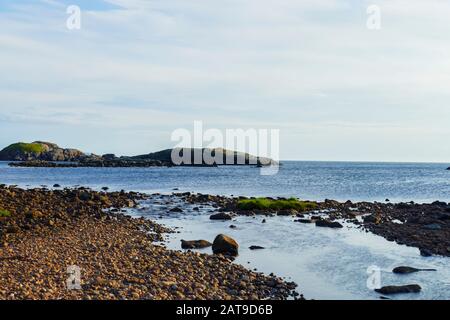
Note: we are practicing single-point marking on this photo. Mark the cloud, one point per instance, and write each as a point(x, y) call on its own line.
point(160, 64)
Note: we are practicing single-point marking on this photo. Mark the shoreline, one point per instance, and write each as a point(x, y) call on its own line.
point(50, 230)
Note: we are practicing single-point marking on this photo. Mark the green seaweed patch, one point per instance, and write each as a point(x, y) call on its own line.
point(4, 213)
point(25, 147)
point(272, 204)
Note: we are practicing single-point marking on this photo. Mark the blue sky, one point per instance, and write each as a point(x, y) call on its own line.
point(139, 69)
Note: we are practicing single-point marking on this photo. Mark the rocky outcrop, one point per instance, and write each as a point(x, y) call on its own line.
point(38, 150)
point(44, 154)
point(219, 156)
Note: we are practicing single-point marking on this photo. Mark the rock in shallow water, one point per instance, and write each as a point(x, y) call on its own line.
point(195, 244)
point(410, 288)
point(256, 248)
point(406, 270)
point(221, 216)
point(328, 224)
point(226, 245)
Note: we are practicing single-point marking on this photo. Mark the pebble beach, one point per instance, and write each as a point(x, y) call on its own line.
point(43, 232)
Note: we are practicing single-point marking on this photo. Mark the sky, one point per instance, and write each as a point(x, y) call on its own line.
point(137, 70)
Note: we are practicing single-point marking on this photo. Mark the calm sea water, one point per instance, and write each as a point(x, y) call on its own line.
point(355, 181)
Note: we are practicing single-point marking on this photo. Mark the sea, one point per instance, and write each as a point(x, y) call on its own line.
point(308, 180)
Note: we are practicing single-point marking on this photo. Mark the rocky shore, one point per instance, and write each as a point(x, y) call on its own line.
point(424, 226)
point(43, 232)
point(50, 155)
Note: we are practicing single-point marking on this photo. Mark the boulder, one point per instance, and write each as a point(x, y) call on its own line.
point(221, 216)
point(328, 224)
point(225, 245)
point(176, 209)
point(410, 288)
point(195, 244)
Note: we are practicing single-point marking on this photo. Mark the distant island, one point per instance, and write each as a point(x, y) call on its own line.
point(46, 154)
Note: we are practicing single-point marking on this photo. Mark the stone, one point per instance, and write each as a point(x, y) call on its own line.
point(256, 248)
point(12, 229)
point(225, 245)
point(410, 288)
point(328, 224)
point(221, 216)
point(33, 214)
point(195, 244)
point(407, 270)
point(425, 252)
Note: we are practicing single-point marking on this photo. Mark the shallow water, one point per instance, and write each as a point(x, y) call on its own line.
point(354, 181)
point(325, 263)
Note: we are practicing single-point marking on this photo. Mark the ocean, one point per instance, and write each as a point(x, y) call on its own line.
point(356, 181)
